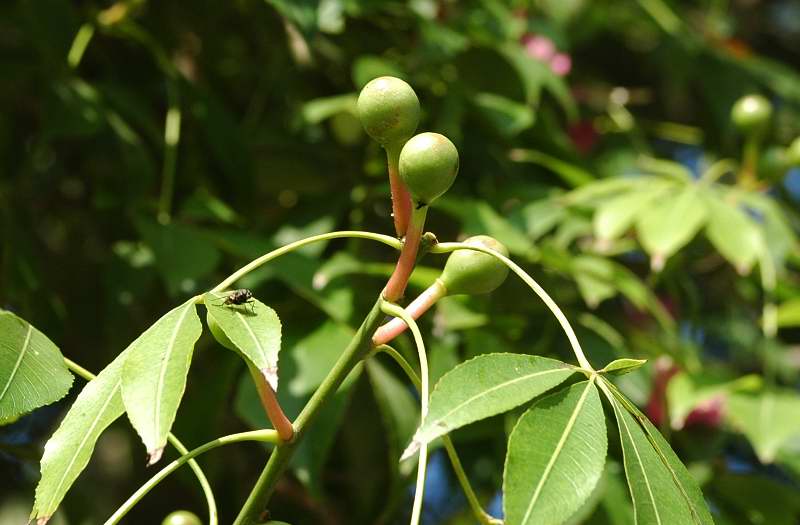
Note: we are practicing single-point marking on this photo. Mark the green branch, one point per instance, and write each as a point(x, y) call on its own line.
point(264, 436)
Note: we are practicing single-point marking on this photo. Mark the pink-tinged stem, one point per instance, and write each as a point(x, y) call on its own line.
point(401, 198)
point(396, 286)
point(418, 306)
point(271, 406)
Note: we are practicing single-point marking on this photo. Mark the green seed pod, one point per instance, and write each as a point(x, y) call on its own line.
point(751, 113)
point(428, 166)
point(389, 110)
point(472, 272)
point(181, 517)
point(773, 164)
point(793, 153)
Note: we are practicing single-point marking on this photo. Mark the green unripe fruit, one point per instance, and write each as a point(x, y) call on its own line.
point(472, 272)
point(182, 517)
point(751, 113)
point(793, 153)
point(428, 166)
point(389, 110)
point(773, 164)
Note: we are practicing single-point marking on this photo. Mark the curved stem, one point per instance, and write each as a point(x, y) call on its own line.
point(448, 247)
point(172, 135)
point(396, 286)
point(398, 311)
point(415, 309)
point(717, 170)
point(481, 515)
point(271, 405)
point(175, 442)
point(264, 436)
point(401, 198)
point(385, 239)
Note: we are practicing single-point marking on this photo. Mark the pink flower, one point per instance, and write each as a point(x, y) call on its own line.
point(539, 47)
point(561, 64)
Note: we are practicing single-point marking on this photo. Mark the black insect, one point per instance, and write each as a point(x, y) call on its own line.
point(239, 297)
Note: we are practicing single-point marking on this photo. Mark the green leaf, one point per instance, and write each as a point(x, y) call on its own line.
point(685, 392)
point(320, 109)
point(662, 489)
point(616, 215)
point(68, 450)
point(622, 366)
point(154, 375)
point(669, 225)
point(556, 454)
point(595, 278)
point(507, 116)
point(789, 313)
point(254, 328)
point(183, 254)
point(733, 234)
point(573, 175)
point(485, 386)
point(769, 420)
point(32, 370)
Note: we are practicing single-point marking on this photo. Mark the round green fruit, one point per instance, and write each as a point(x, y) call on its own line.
point(751, 113)
point(389, 110)
point(428, 166)
point(182, 517)
point(793, 153)
point(472, 272)
point(773, 164)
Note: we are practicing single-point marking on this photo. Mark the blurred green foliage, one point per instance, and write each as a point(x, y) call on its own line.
point(147, 149)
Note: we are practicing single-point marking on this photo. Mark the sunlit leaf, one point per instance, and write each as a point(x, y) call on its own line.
point(154, 375)
point(487, 385)
point(769, 420)
point(68, 451)
point(669, 225)
point(32, 370)
point(615, 216)
point(623, 366)
point(556, 454)
point(733, 234)
point(254, 328)
point(789, 313)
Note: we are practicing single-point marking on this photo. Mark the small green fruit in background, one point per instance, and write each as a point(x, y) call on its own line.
point(751, 113)
point(793, 153)
point(773, 164)
point(472, 272)
point(428, 166)
point(389, 110)
point(181, 517)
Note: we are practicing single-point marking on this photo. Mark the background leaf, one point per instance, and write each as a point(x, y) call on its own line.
point(154, 375)
point(769, 419)
point(556, 454)
point(672, 223)
point(32, 370)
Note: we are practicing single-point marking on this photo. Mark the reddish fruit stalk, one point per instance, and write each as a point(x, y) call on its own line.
point(416, 309)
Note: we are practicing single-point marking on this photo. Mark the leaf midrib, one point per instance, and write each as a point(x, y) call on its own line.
point(641, 467)
point(19, 361)
point(558, 449)
point(435, 423)
point(163, 373)
point(83, 441)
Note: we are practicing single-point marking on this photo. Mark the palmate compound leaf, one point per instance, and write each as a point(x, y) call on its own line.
point(68, 450)
point(485, 386)
point(253, 328)
point(154, 375)
point(662, 490)
point(556, 455)
point(32, 370)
